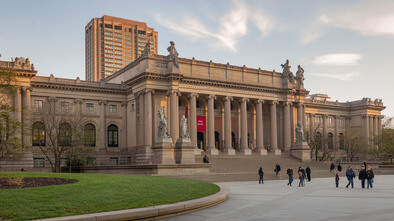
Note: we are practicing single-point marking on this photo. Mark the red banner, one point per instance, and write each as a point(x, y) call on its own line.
point(201, 124)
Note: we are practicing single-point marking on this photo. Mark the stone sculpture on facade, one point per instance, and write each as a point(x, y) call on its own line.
point(184, 130)
point(173, 55)
point(286, 71)
point(300, 75)
point(299, 132)
point(162, 129)
point(146, 50)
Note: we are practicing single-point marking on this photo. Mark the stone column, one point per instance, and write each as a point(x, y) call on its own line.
point(103, 126)
point(174, 99)
point(26, 127)
point(244, 127)
point(211, 125)
point(141, 127)
point(274, 132)
point(375, 127)
point(379, 125)
point(228, 148)
point(193, 122)
point(259, 128)
point(148, 118)
point(287, 127)
point(336, 131)
point(311, 126)
point(299, 113)
point(324, 125)
point(371, 137)
point(18, 105)
point(366, 128)
point(125, 139)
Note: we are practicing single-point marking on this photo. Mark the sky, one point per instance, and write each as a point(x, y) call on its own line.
point(345, 47)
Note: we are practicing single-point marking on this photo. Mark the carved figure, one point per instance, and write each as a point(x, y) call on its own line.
point(184, 130)
point(299, 132)
point(173, 55)
point(162, 129)
point(146, 51)
point(286, 71)
point(300, 75)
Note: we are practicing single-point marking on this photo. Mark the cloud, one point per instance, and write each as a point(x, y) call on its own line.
point(310, 34)
point(373, 18)
point(337, 59)
point(341, 77)
point(232, 26)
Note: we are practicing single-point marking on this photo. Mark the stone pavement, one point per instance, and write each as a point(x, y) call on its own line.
point(318, 200)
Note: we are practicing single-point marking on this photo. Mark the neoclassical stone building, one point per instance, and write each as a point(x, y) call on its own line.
point(230, 109)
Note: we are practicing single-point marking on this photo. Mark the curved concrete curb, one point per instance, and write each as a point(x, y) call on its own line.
point(154, 212)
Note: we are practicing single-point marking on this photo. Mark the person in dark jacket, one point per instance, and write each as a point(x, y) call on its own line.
point(339, 167)
point(290, 174)
point(261, 175)
point(277, 168)
point(362, 175)
point(350, 176)
point(308, 173)
point(205, 159)
point(337, 179)
point(370, 177)
point(332, 166)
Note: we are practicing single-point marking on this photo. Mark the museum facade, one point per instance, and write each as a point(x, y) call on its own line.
point(229, 109)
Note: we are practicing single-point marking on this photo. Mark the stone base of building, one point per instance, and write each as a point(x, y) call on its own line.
point(163, 152)
point(261, 152)
point(277, 152)
point(246, 151)
point(229, 152)
point(213, 151)
point(184, 151)
point(151, 169)
point(301, 151)
point(197, 151)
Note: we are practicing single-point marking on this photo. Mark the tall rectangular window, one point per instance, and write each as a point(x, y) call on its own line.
point(38, 104)
point(65, 105)
point(113, 108)
point(89, 107)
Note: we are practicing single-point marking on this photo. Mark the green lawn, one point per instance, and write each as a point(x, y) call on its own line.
point(96, 193)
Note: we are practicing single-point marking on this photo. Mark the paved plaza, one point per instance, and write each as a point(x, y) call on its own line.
point(318, 200)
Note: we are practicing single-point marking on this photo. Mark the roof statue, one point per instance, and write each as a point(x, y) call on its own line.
point(286, 71)
point(173, 55)
point(146, 50)
point(300, 75)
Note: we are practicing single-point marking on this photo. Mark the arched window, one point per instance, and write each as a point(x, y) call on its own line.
point(38, 134)
point(330, 141)
point(89, 135)
point(341, 141)
point(65, 134)
point(112, 135)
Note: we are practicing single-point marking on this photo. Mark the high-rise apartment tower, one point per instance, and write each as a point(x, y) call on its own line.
point(111, 43)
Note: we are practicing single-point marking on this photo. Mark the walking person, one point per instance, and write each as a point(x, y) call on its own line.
point(337, 179)
point(362, 175)
point(290, 174)
point(261, 175)
point(370, 177)
point(350, 176)
point(339, 168)
point(308, 173)
point(301, 176)
point(277, 168)
point(332, 166)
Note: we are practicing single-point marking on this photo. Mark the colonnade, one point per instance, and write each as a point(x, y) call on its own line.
point(372, 127)
point(22, 102)
point(145, 129)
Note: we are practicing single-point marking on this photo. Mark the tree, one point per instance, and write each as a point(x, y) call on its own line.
point(319, 147)
point(63, 132)
point(354, 143)
point(11, 146)
point(385, 141)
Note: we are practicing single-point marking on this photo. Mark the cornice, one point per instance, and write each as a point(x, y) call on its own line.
point(84, 88)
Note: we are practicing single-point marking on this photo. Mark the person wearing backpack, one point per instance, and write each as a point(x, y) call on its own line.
point(261, 175)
